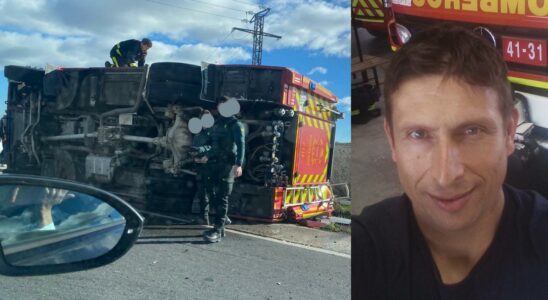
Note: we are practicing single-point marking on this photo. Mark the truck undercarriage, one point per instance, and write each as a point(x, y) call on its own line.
point(126, 130)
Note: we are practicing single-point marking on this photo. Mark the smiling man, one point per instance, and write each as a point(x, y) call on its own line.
point(458, 232)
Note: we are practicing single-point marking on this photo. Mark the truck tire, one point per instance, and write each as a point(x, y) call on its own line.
point(27, 75)
point(176, 72)
point(163, 93)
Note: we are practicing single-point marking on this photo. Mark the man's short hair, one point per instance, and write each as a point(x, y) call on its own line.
point(147, 42)
point(453, 52)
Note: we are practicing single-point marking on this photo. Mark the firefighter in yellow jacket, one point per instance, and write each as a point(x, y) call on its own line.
point(130, 53)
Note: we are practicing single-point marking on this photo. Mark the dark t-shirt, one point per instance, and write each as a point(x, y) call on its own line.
point(391, 260)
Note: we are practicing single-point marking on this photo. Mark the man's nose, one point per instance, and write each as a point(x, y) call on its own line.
point(447, 165)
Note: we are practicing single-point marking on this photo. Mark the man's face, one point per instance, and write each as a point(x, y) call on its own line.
point(451, 145)
point(144, 48)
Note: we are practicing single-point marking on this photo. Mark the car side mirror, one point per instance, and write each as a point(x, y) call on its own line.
point(50, 226)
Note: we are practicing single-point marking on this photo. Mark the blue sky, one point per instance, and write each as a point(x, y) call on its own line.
point(315, 36)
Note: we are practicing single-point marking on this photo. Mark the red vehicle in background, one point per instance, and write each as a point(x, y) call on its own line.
point(370, 14)
point(519, 30)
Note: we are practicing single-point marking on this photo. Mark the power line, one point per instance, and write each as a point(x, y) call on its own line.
point(222, 41)
point(245, 2)
point(258, 34)
point(191, 9)
point(225, 7)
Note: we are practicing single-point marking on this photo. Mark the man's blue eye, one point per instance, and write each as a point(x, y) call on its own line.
point(472, 131)
point(417, 134)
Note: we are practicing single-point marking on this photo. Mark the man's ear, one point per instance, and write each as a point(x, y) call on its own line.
point(511, 126)
point(390, 137)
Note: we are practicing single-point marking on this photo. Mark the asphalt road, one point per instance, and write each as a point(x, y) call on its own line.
point(174, 263)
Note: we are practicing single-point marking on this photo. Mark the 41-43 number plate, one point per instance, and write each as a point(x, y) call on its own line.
point(524, 51)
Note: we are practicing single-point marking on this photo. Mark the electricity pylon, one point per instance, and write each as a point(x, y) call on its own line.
point(258, 20)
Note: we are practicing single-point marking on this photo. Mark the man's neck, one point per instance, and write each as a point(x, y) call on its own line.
point(455, 253)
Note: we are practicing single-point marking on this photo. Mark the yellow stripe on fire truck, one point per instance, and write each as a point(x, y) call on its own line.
point(374, 5)
point(315, 121)
point(289, 198)
point(324, 175)
point(371, 20)
point(313, 106)
point(310, 106)
point(297, 104)
point(375, 8)
point(307, 195)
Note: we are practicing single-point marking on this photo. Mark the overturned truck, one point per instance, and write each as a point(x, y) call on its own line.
point(126, 130)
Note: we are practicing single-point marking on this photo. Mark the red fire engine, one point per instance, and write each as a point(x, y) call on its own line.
point(125, 130)
point(369, 14)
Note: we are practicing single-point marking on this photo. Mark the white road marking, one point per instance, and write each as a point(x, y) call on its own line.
point(260, 237)
point(289, 243)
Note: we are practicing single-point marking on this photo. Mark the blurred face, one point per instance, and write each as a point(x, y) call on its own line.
point(229, 108)
point(450, 144)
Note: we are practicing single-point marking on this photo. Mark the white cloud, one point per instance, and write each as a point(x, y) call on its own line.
point(116, 20)
point(344, 104)
point(345, 101)
point(315, 25)
point(320, 70)
point(324, 82)
point(37, 50)
point(81, 33)
point(196, 53)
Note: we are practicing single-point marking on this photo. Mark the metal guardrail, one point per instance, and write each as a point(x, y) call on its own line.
point(344, 199)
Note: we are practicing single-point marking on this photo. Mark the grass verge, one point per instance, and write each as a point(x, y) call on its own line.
point(342, 210)
point(334, 227)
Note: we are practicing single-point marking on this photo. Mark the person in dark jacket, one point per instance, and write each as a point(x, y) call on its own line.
point(457, 232)
point(224, 163)
point(127, 53)
point(201, 145)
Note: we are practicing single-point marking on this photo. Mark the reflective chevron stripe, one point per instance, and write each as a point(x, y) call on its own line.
point(310, 194)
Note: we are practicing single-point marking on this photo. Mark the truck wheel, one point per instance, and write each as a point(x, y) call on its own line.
point(27, 75)
point(178, 72)
point(162, 93)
